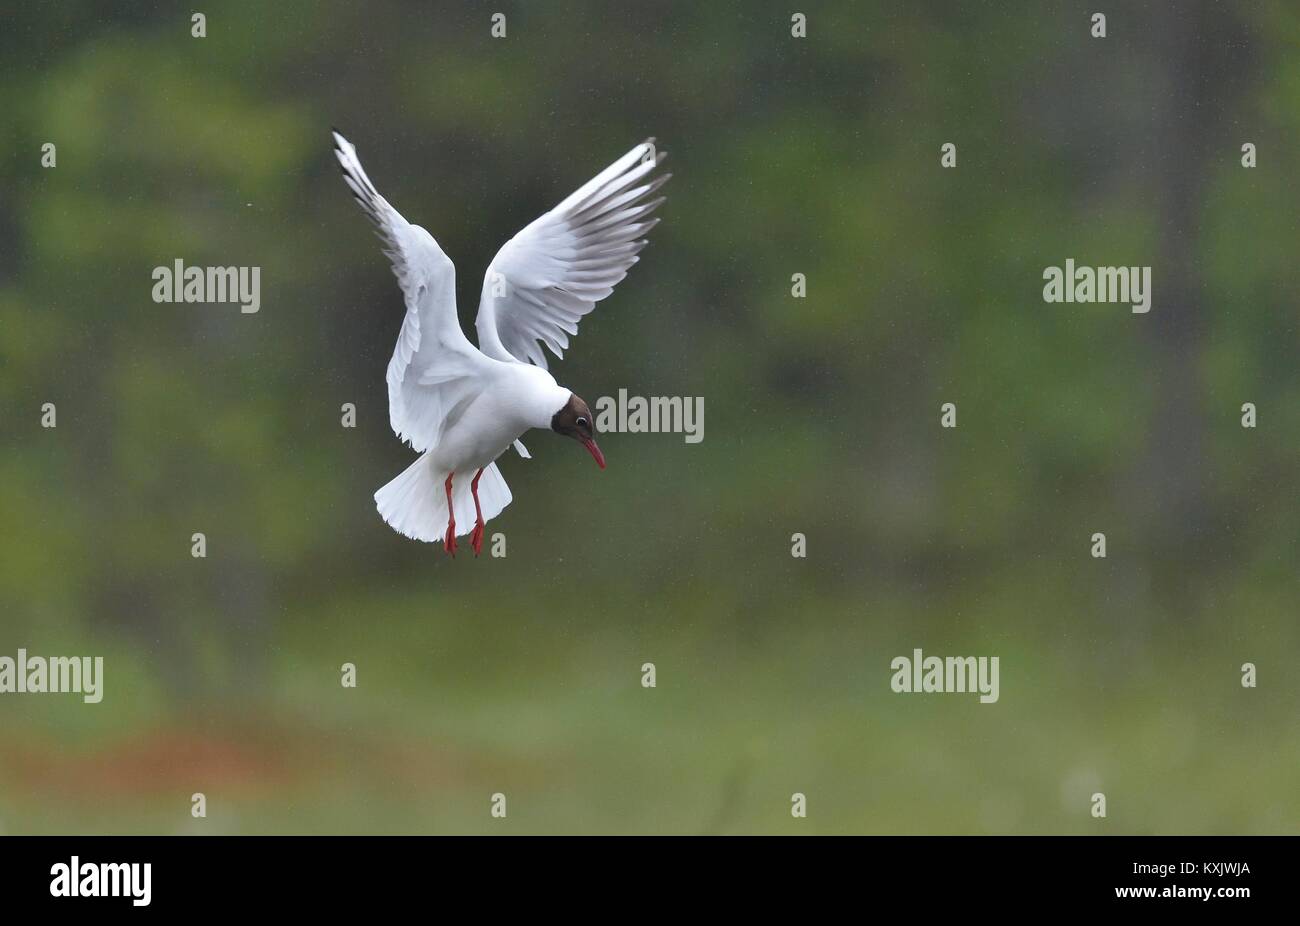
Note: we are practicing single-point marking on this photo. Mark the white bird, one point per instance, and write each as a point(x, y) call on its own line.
point(461, 407)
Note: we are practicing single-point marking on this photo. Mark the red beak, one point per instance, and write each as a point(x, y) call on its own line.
point(595, 452)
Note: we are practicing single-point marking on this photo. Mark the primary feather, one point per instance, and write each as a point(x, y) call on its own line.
point(546, 278)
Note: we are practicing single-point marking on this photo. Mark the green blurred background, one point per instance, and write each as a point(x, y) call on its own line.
point(522, 675)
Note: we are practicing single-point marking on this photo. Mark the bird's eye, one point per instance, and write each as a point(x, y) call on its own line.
point(581, 422)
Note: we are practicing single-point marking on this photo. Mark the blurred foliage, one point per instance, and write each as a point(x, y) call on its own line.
point(818, 156)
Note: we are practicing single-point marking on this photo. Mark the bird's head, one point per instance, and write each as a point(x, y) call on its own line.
point(574, 420)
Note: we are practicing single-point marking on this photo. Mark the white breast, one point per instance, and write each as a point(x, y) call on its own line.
point(515, 398)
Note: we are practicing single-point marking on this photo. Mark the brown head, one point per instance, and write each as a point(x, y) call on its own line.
point(574, 420)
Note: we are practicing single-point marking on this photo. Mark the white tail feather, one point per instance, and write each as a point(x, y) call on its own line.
point(415, 503)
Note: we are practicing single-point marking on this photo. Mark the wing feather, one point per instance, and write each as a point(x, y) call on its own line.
point(545, 279)
point(431, 373)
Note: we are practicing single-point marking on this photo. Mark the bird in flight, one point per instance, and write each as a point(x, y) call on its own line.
point(461, 407)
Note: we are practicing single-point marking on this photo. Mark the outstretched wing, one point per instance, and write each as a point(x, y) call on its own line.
point(551, 274)
point(432, 369)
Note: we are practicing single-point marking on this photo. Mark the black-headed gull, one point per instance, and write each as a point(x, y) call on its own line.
point(461, 406)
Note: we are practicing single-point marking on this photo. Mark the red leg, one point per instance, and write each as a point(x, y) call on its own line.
point(449, 541)
point(476, 539)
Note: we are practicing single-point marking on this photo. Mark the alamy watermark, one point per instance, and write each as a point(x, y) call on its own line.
point(1099, 284)
point(658, 414)
point(946, 675)
point(76, 878)
point(54, 675)
point(179, 283)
